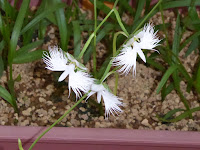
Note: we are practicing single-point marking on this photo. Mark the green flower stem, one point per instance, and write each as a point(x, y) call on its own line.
point(64, 115)
point(147, 16)
point(98, 27)
point(94, 48)
point(114, 54)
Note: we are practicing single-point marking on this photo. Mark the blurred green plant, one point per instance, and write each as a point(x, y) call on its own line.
point(17, 28)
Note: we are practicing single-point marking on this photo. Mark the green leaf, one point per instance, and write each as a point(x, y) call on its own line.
point(165, 77)
point(28, 57)
point(178, 3)
point(139, 9)
point(166, 90)
point(194, 45)
point(191, 38)
point(176, 40)
point(2, 44)
point(10, 11)
point(41, 16)
point(18, 78)
point(120, 21)
point(101, 6)
point(197, 81)
point(100, 36)
point(155, 64)
point(4, 30)
point(61, 21)
point(25, 49)
point(171, 113)
point(16, 30)
point(6, 95)
point(77, 38)
point(20, 144)
point(125, 6)
point(181, 116)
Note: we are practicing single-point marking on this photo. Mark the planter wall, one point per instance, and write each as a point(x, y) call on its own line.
point(97, 139)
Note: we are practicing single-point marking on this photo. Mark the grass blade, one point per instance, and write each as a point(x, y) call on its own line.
point(178, 3)
point(193, 46)
point(41, 16)
point(77, 38)
point(191, 38)
point(6, 95)
point(28, 57)
point(120, 21)
point(61, 21)
point(16, 30)
point(165, 77)
point(139, 9)
point(25, 49)
point(171, 113)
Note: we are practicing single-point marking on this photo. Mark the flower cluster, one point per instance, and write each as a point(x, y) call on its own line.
point(82, 82)
point(79, 80)
point(145, 39)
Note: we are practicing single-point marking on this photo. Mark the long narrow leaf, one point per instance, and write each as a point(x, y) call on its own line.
point(120, 22)
point(77, 38)
point(178, 3)
point(165, 77)
point(139, 9)
point(28, 57)
point(61, 21)
point(17, 29)
point(192, 47)
point(25, 49)
point(41, 16)
point(6, 95)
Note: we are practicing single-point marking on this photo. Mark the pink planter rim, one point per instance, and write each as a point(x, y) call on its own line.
point(98, 138)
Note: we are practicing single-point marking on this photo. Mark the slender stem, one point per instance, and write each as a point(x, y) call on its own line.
point(94, 48)
point(92, 35)
point(114, 54)
point(98, 27)
point(147, 16)
point(64, 115)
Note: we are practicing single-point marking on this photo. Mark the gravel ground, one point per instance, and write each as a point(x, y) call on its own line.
point(42, 100)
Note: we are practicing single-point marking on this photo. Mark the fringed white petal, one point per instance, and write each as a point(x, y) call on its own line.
point(80, 81)
point(55, 59)
point(126, 60)
point(148, 38)
point(112, 103)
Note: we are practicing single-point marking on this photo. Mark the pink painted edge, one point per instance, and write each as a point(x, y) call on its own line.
point(102, 136)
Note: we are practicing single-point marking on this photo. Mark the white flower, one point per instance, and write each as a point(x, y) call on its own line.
point(55, 60)
point(127, 59)
point(112, 102)
point(145, 39)
point(79, 81)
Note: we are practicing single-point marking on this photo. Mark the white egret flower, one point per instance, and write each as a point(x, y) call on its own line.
point(112, 102)
point(145, 39)
point(57, 60)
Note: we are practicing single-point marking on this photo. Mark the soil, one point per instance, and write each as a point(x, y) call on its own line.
point(42, 100)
